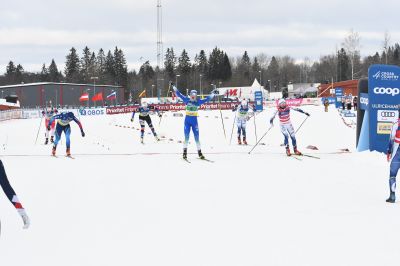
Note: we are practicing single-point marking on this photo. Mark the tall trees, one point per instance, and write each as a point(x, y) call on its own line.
point(170, 63)
point(72, 67)
point(351, 45)
point(54, 74)
point(184, 69)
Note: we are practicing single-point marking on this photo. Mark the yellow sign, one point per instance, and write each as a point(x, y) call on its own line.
point(384, 128)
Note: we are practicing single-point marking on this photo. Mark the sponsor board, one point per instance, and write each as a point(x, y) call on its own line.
point(29, 114)
point(92, 112)
point(384, 128)
point(364, 101)
point(292, 102)
point(387, 115)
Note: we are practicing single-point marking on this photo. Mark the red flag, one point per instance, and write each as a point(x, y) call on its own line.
point(98, 97)
point(84, 97)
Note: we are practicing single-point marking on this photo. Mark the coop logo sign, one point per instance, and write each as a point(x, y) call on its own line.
point(385, 75)
point(387, 91)
point(364, 100)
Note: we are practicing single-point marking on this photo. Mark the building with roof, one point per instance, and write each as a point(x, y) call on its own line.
point(33, 95)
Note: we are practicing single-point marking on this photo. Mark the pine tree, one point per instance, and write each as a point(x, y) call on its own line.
point(72, 67)
point(85, 65)
point(10, 72)
point(255, 68)
point(54, 74)
point(344, 69)
point(184, 68)
point(101, 65)
point(244, 67)
point(120, 68)
point(170, 63)
point(226, 68)
point(273, 74)
point(202, 63)
point(44, 74)
point(109, 74)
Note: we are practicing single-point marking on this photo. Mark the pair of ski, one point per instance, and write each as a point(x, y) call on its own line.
point(66, 156)
point(298, 157)
point(206, 160)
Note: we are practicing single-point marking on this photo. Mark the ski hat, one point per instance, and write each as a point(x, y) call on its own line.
point(193, 95)
point(282, 103)
point(244, 103)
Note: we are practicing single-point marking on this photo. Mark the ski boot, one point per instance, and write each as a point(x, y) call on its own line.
point(68, 152)
point(288, 151)
point(52, 139)
point(392, 198)
point(185, 153)
point(201, 156)
point(141, 140)
point(47, 141)
point(53, 151)
point(244, 141)
point(296, 151)
point(239, 141)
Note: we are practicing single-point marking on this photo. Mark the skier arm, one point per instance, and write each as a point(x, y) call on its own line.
point(180, 95)
point(391, 142)
point(209, 98)
point(12, 196)
point(300, 111)
point(51, 120)
point(271, 121)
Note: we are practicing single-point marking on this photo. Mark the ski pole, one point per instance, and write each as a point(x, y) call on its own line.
point(233, 126)
point(260, 139)
point(37, 135)
point(301, 124)
point(220, 112)
point(255, 126)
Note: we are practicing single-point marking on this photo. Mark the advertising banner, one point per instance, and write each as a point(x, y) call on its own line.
point(258, 100)
point(383, 103)
point(364, 100)
point(92, 112)
point(338, 95)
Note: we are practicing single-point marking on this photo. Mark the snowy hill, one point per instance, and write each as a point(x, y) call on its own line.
point(123, 203)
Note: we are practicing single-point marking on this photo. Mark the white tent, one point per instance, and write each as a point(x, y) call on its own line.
point(243, 92)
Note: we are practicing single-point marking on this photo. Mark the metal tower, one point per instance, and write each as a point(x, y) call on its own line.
point(160, 49)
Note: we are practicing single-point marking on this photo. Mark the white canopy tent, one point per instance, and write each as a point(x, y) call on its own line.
point(243, 92)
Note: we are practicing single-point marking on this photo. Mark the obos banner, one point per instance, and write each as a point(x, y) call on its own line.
point(92, 112)
point(382, 103)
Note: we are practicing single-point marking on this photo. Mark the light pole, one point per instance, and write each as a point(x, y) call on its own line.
point(176, 80)
point(94, 87)
point(201, 90)
point(2, 94)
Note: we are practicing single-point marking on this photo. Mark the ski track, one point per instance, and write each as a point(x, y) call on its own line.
point(123, 203)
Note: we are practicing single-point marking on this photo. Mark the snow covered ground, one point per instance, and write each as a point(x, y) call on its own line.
point(123, 203)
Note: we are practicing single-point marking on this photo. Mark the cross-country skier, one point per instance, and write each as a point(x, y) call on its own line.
point(192, 107)
point(283, 111)
point(10, 193)
point(393, 156)
point(63, 126)
point(144, 117)
point(242, 117)
point(47, 115)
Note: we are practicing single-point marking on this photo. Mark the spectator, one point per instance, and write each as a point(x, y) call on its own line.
point(343, 102)
point(326, 104)
point(355, 103)
point(348, 103)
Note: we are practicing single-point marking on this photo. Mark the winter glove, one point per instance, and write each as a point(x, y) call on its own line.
point(48, 127)
point(131, 119)
point(215, 91)
point(25, 218)
point(271, 121)
point(307, 114)
point(160, 115)
point(388, 156)
point(83, 133)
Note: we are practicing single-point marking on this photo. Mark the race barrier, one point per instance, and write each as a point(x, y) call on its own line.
point(10, 114)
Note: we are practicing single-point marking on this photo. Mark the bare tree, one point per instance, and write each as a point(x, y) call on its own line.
point(351, 44)
point(386, 45)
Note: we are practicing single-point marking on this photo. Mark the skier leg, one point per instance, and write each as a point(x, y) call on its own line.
point(244, 132)
point(196, 133)
point(394, 169)
point(239, 131)
point(292, 135)
point(67, 131)
point(142, 124)
point(59, 130)
point(186, 130)
point(286, 139)
point(150, 124)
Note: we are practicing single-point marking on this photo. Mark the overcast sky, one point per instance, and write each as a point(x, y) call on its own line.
point(33, 32)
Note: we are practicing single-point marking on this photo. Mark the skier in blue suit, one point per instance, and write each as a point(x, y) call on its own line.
point(63, 121)
point(192, 106)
